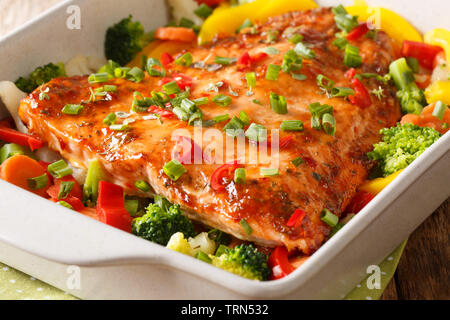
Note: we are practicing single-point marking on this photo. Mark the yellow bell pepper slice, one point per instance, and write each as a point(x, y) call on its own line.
point(376, 185)
point(438, 91)
point(225, 20)
point(396, 27)
point(439, 37)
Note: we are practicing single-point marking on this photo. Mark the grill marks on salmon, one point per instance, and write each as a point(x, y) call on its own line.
point(333, 167)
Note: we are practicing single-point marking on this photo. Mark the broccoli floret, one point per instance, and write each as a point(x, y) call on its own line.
point(245, 261)
point(124, 40)
point(159, 224)
point(40, 76)
point(401, 145)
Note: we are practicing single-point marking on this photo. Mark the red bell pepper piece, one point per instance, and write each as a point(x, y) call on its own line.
point(350, 74)
point(424, 53)
point(361, 98)
point(181, 79)
point(220, 173)
point(246, 61)
point(111, 206)
point(359, 201)
point(166, 59)
point(296, 219)
point(160, 111)
point(14, 136)
point(358, 32)
point(279, 263)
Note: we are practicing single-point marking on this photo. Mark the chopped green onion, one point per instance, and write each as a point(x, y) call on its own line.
point(142, 185)
point(296, 38)
point(222, 100)
point(98, 77)
point(271, 50)
point(246, 24)
point(185, 60)
point(234, 127)
point(224, 60)
point(292, 125)
point(181, 114)
point(196, 117)
point(256, 101)
point(72, 109)
point(38, 182)
point(272, 35)
point(251, 79)
point(340, 42)
point(93, 177)
point(269, 172)
point(246, 226)
point(110, 119)
point(329, 218)
point(439, 110)
point(10, 149)
point(239, 176)
point(352, 59)
point(64, 189)
point(59, 169)
point(303, 51)
point(119, 127)
point(291, 62)
point(200, 255)
point(201, 101)
point(278, 103)
point(65, 204)
point(297, 161)
point(344, 21)
point(110, 88)
point(132, 206)
point(221, 118)
point(121, 72)
point(171, 88)
point(299, 76)
point(273, 71)
point(174, 169)
point(151, 62)
point(256, 132)
point(342, 92)
point(329, 124)
point(413, 63)
point(136, 74)
point(244, 117)
point(188, 105)
point(324, 82)
point(203, 11)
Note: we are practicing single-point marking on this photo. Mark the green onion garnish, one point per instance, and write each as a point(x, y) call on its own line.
point(271, 50)
point(303, 51)
point(135, 74)
point(222, 100)
point(121, 72)
point(151, 62)
point(196, 117)
point(246, 24)
point(142, 185)
point(256, 132)
point(110, 119)
point(90, 187)
point(119, 127)
point(181, 114)
point(65, 204)
point(413, 63)
point(72, 109)
point(239, 176)
point(10, 149)
point(246, 226)
point(344, 21)
point(224, 60)
point(340, 42)
point(278, 103)
point(38, 182)
point(297, 161)
point(296, 38)
point(256, 101)
point(352, 59)
point(291, 62)
point(200, 255)
point(273, 71)
point(203, 11)
point(185, 60)
point(221, 118)
point(299, 76)
point(269, 172)
point(110, 88)
point(439, 110)
point(329, 124)
point(234, 127)
point(59, 169)
point(292, 125)
point(324, 82)
point(171, 88)
point(342, 92)
point(329, 218)
point(64, 189)
point(244, 117)
point(174, 169)
point(201, 101)
point(188, 105)
point(98, 77)
point(251, 79)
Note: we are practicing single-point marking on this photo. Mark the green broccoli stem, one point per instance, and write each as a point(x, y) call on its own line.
point(90, 188)
point(411, 97)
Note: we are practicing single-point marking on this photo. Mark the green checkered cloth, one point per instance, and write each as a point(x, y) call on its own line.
point(16, 285)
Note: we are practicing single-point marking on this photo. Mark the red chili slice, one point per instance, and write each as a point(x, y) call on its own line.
point(279, 263)
point(246, 61)
point(181, 79)
point(166, 59)
point(359, 201)
point(358, 32)
point(350, 74)
point(296, 219)
point(160, 111)
point(361, 98)
point(226, 170)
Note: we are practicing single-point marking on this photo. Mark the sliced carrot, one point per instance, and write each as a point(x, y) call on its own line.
point(410, 118)
point(19, 168)
point(175, 33)
point(426, 119)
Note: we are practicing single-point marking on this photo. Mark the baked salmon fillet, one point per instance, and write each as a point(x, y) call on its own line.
point(333, 165)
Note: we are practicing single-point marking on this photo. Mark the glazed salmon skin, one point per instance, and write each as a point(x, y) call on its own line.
point(333, 166)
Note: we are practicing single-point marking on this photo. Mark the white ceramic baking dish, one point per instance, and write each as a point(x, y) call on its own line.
point(43, 239)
